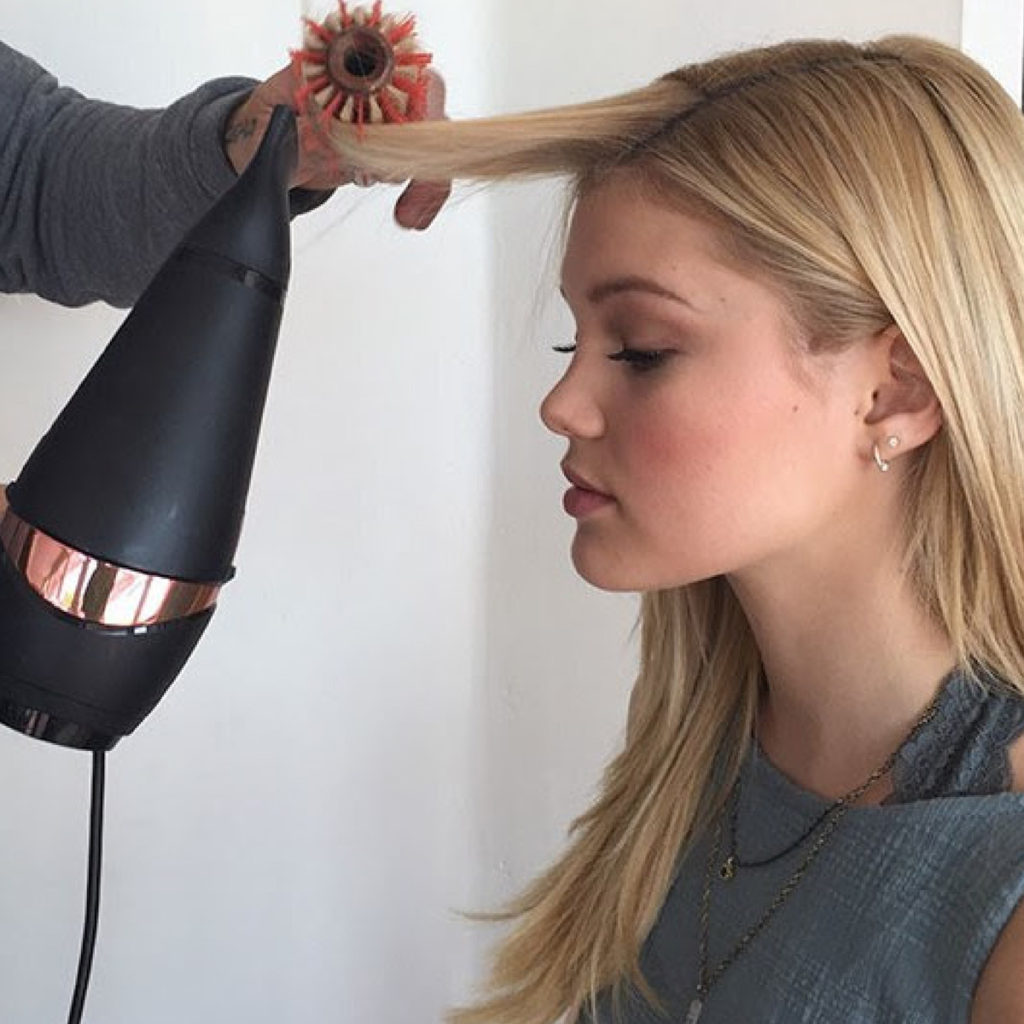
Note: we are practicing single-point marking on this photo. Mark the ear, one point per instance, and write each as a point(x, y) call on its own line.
point(903, 403)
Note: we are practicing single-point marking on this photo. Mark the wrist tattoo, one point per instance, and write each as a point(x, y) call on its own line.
point(240, 130)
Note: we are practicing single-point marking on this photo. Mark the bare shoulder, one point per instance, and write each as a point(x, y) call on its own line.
point(1016, 754)
point(1000, 993)
point(999, 997)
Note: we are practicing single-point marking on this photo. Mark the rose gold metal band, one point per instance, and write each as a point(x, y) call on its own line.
point(92, 590)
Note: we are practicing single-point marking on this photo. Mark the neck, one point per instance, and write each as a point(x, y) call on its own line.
point(851, 662)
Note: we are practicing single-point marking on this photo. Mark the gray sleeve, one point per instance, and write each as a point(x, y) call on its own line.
point(93, 195)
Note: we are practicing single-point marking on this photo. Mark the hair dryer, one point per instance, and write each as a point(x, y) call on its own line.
point(119, 532)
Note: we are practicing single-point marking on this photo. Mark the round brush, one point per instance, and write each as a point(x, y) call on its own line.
point(362, 66)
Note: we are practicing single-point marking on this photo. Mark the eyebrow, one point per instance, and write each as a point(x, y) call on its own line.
point(634, 283)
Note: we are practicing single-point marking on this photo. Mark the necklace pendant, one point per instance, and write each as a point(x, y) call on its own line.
point(727, 872)
point(693, 1015)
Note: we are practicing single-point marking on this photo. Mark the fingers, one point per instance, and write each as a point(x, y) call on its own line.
point(420, 203)
point(320, 166)
point(436, 94)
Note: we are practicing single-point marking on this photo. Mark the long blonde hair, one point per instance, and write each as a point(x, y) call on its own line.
point(873, 184)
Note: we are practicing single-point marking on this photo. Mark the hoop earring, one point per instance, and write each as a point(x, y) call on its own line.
point(883, 464)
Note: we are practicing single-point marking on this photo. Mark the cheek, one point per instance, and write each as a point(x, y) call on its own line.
point(711, 459)
point(676, 446)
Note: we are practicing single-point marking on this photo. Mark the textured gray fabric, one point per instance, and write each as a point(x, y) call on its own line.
point(894, 921)
point(93, 196)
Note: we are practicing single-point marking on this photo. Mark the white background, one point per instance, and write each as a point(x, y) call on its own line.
point(356, 751)
point(993, 32)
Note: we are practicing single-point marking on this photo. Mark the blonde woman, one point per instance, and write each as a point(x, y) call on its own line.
point(794, 420)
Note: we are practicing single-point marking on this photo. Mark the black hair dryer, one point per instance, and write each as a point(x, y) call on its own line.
point(121, 529)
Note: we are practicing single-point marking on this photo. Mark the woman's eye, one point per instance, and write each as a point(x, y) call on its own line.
point(639, 359)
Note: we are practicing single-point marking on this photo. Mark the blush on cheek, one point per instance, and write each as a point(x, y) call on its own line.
point(667, 451)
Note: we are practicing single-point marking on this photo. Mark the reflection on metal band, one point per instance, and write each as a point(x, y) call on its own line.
point(92, 590)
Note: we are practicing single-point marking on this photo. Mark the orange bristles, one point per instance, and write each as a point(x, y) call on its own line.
point(402, 30)
point(419, 60)
point(392, 89)
point(319, 30)
point(390, 110)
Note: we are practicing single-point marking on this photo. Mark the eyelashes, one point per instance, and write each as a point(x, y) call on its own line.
point(639, 360)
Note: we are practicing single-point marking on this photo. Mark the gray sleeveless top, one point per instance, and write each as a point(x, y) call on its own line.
point(895, 919)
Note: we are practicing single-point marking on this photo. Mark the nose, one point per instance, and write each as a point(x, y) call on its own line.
point(571, 408)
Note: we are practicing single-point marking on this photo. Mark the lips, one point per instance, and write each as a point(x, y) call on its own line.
point(579, 480)
point(583, 498)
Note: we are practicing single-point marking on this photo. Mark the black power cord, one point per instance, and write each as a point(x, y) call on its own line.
point(92, 889)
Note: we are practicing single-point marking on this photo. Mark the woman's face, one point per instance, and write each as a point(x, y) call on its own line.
point(717, 443)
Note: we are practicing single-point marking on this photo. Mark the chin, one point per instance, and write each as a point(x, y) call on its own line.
point(606, 573)
point(623, 573)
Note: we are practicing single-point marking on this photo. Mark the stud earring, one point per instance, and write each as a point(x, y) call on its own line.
point(883, 464)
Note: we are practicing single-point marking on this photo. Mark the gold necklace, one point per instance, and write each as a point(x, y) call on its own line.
point(829, 821)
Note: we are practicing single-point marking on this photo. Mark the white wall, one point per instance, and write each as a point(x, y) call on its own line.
point(992, 32)
point(345, 758)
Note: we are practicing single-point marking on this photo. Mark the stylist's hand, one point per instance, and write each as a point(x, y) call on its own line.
point(319, 166)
